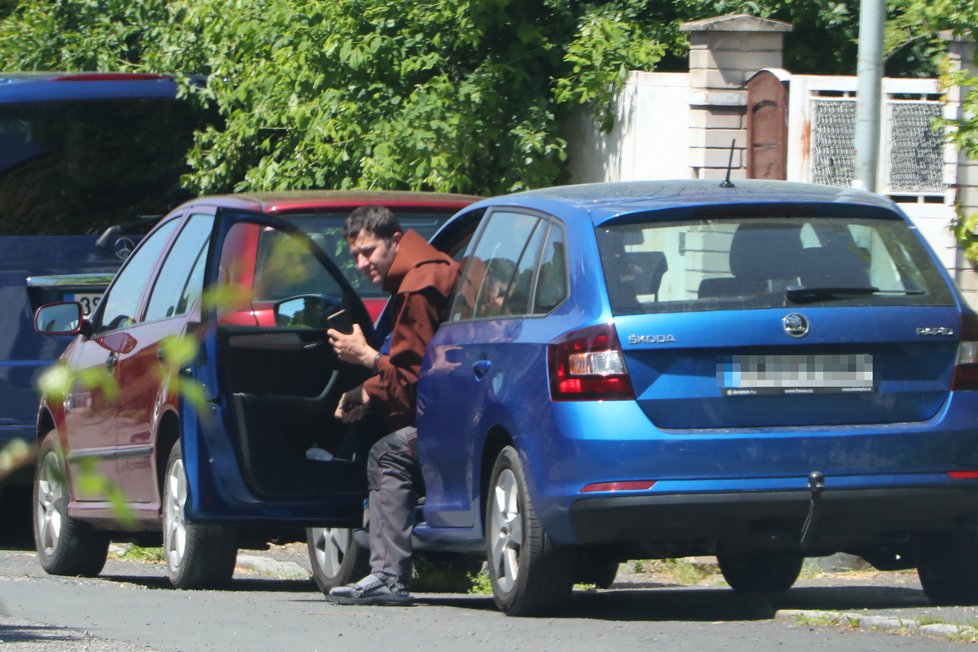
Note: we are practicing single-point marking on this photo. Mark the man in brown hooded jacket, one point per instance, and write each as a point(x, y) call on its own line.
point(420, 279)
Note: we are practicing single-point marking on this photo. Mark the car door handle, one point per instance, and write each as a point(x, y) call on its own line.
point(112, 360)
point(481, 368)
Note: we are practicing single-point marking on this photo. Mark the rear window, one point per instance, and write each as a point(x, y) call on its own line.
point(77, 167)
point(734, 263)
point(326, 230)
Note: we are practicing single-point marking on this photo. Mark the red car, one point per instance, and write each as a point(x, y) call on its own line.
point(245, 461)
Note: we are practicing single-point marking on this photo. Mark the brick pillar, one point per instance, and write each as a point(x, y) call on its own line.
point(962, 57)
point(724, 53)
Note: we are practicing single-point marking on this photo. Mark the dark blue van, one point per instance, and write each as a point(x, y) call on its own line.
point(87, 160)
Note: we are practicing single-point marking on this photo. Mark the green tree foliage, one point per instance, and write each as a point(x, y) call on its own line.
point(80, 34)
point(447, 95)
point(963, 22)
point(454, 95)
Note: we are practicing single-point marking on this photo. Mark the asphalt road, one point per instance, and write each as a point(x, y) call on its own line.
point(131, 607)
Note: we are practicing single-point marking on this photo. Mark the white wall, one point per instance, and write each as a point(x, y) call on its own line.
point(650, 139)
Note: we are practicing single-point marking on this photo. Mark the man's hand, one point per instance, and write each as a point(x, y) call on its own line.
point(352, 347)
point(353, 405)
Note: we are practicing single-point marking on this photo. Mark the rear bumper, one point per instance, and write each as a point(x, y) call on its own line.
point(844, 517)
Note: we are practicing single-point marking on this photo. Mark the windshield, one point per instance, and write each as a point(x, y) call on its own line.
point(765, 262)
point(326, 230)
point(77, 167)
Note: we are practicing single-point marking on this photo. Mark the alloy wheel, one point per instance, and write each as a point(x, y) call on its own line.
point(50, 491)
point(331, 544)
point(506, 530)
point(175, 533)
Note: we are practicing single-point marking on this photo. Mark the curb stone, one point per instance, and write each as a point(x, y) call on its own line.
point(880, 623)
point(264, 566)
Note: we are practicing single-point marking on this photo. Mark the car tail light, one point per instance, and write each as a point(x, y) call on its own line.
point(966, 366)
point(587, 365)
point(963, 475)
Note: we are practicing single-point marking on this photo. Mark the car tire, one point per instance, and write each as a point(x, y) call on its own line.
point(335, 557)
point(197, 556)
point(948, 568)
point(530, 575)
point(758, 573)
point(65, 546)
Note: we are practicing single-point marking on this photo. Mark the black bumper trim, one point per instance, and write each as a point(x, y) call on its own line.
point(844, 514)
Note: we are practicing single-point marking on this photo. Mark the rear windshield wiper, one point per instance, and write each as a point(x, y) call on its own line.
point(803, 294)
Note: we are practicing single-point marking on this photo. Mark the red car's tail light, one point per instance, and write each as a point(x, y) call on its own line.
point(966, 366)
point(587, 365)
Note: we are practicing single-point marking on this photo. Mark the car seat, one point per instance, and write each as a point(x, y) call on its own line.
point(760, 254)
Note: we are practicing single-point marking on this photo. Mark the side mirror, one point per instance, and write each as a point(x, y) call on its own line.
point(304, 311)
point(65, 318)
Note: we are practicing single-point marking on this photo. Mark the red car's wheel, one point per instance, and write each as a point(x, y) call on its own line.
point(65, 546)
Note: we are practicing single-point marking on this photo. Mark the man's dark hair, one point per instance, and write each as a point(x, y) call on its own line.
point(379, 220)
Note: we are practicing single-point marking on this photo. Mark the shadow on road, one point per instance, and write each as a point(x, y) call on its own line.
point(246, 584)
point(28, 633)
point(709, 605)
point(724, 604)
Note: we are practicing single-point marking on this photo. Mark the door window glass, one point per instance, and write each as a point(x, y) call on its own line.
point(551, 287)
point(515, 294)
point(326, 230)
point(286, 267)
point(261, 265)
point(181, 279)
point(122, 300)
point(491, 271)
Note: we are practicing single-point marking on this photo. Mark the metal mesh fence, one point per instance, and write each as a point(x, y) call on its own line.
point(916, 150)
point(833, 134)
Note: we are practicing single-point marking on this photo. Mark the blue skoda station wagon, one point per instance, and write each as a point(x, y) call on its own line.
point(642, 370)
point(764, 373)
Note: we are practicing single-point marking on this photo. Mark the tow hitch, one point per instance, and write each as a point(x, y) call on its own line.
point(816, 482)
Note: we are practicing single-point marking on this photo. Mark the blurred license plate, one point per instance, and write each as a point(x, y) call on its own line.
point(88, 300)
point(796, 374)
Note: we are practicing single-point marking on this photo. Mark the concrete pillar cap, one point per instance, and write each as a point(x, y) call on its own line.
point(735, 23)
point(780, 74)
point(950, 37)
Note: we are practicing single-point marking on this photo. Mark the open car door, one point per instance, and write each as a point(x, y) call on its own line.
point(266, 445)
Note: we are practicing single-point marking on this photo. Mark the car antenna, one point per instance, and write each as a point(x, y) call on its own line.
point(727, 183)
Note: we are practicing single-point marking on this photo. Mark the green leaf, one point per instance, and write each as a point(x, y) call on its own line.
point(14, 455)
point(226, 297)
point(178, 350)
point(99, 379)
point(55, 382)
point(194, 393)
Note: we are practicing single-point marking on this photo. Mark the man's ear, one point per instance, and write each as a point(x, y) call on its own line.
point(396, 238)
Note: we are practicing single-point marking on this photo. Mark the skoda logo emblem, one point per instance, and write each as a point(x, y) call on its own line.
point(795, 325)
